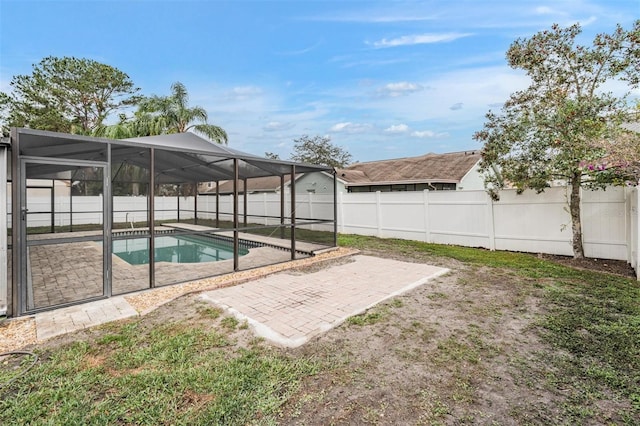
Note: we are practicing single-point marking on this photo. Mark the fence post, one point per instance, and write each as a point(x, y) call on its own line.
point(310, 194)
point(378, 215)
point(636, 235)
point(4, 245)
point(264, 208)
point(340, 217)
point(491, 226)
point(427, 222)
point(627, 223)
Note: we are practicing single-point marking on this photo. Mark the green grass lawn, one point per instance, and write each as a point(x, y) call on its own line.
point(195, 371)
point(179, 373)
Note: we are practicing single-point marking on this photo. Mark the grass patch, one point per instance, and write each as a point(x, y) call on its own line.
point(522, 263)
point(210, 312)
point(375, 315)
point(230, 323)
point(367, 318)
point(598, 325)
point(172, 374)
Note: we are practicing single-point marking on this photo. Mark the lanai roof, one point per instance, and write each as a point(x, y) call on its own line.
point(179, 158)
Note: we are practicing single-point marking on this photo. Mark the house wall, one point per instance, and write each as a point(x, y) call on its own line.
point(318, 183)
point(472, 181)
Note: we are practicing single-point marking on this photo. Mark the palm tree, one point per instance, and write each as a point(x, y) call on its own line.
point(158, 115)
point(171, 114)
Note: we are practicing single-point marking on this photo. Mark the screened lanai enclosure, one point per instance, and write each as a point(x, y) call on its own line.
point(88, 218)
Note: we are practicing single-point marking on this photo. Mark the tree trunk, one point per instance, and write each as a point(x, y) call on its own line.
point(576, 223)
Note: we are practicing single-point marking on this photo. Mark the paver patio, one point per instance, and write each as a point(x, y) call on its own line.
point(290, 308)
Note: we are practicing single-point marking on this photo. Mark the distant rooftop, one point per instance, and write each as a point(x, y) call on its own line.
point(449, 167)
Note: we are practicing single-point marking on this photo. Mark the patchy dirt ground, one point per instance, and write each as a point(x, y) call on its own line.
point(462, 349)
point(618, 267)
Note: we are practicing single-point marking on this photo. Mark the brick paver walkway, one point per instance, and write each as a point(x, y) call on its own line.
point(290, 308)
point(73, 318)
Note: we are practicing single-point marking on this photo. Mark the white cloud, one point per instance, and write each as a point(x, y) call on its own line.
point(372, 17)
point(544, 10)
point(413, 39)
point(397, 128)
point(243, 93)
point(586, 22)
point(276, 126)
point(456, 106)
point(349, 127)
point(399, 89)
point(428, 134)
point(300, 51)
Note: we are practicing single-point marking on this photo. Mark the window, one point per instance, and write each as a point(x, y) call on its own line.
point(442, 186)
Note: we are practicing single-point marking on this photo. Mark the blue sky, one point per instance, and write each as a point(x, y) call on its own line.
point(383, 79)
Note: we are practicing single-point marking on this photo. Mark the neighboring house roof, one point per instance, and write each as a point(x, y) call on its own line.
point(261, 184)
point(449, 167)
point(353, 176)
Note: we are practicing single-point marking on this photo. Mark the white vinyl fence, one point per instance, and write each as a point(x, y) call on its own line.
point(530, 222)
point(265, 208)
point(536, 223)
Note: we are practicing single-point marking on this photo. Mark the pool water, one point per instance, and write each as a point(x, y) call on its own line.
point(175, 249)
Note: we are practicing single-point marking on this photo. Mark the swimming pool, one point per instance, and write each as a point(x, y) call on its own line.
point(176, 249)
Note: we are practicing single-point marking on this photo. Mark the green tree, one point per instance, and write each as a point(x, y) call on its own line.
point(171, 114)
point(157, 115)
point(5, 112)
point(272, 155)
point(552, 130)
point(68, 95)
point(319, 150)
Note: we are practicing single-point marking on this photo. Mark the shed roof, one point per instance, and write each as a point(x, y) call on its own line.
point(449, 167)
